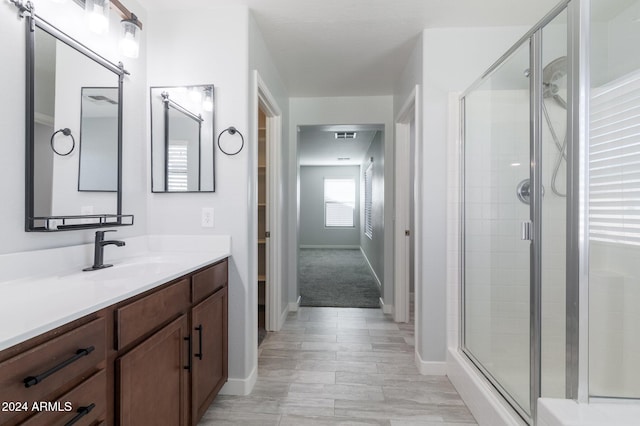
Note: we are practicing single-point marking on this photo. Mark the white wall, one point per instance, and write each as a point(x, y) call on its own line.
point(340, 110)
point(211, 47)
point(12, 83)
point(373, 248)
point(260, 59)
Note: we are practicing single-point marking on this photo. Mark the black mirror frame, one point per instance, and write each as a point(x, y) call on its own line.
point(165, 141)
point(75, 222)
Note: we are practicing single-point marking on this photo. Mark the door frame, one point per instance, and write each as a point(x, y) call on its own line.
point(264, 100)
point(410, 111)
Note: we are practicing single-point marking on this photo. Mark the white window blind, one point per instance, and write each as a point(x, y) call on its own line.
point(339, 202)
point(614, 162)
point(368, 192)
point(177, 177)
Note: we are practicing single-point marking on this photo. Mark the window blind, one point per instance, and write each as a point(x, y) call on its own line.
point(614, 162)
point(177, 177)
point(368, 204)
point(339, 202)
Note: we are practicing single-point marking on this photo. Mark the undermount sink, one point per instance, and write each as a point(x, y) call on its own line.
point(131, 270)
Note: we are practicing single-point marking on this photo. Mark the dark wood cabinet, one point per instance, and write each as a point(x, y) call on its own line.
point(158, 358)
point(210, 339)
point(152, 379)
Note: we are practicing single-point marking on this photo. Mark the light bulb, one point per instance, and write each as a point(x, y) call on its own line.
point(97, 12)
point(207, 104)
point(129, 44)
point(195, 95)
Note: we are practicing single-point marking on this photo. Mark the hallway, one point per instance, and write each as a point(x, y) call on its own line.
point(331, 366)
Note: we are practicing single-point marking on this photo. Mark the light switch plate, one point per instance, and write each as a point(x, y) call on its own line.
point(207, 217)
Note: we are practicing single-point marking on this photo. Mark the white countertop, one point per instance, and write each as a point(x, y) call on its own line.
point(32, 303)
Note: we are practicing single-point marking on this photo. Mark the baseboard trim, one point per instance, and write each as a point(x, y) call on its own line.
point(430, 368)
point(483, 401)
point(240, 387)
point(283, 317)
point(294, 306)
point(386, 308)
point(333, 247)
point(372, 270)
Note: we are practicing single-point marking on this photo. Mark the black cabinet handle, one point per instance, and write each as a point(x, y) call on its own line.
point(82, 411)
point(199, 354)
point(188, 366)
point(34, 380)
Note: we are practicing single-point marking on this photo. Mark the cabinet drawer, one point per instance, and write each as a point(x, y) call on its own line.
point(52, 365)
point(208, 281)
point(147, 314)
point(85, 403)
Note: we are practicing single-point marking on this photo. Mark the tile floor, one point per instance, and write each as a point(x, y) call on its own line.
point(341, 366)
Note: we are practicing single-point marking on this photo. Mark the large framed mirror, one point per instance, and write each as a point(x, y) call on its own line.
point(182, 139)
point(73, 132)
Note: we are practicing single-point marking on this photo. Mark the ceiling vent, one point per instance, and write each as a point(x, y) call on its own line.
point(346, 135)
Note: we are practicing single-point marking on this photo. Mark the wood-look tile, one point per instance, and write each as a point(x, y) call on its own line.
point(218, 417)
point(395, 358)
point(265, 363)
point(330, 421)
point(298, 376)
point(338, 391)
point(303, 337)
point(421, 395)
point(293, 354)
point(362, 368)
point(403, 410)
point(409, 381)
point(392, 347)
point(370, 339)
point(337, 366)
point(335, 347)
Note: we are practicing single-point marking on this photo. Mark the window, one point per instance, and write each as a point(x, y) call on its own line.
point(339, 203)
point(368, 192)
point(614, 162)
point(177, 166)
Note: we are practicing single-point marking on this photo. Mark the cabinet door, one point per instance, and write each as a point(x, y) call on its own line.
point(209, 331)
point(152, 379)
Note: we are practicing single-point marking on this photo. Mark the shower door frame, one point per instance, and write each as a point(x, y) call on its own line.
point(574, 180)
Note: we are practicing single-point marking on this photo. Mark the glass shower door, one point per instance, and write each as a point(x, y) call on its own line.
point(496, 259)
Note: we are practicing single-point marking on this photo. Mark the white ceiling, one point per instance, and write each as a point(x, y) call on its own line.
point(319, 147)
point(358, 47)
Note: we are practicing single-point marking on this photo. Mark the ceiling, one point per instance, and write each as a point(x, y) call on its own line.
point(358, 47)
point(318, 145)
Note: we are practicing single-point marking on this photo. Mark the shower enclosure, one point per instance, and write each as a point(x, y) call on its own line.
point(550, 210)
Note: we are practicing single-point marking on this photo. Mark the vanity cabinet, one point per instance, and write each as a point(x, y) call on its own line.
point(158, 358)
point(152, 379)
point(210, 340)
point(172, 350)
point(59, 375)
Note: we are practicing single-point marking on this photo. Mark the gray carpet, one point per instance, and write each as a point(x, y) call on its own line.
point(336, 278)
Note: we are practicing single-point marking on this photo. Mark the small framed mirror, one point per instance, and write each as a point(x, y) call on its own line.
point(73, 132)
point(182, 139)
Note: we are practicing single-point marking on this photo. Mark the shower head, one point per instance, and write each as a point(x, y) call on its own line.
point(551, 75)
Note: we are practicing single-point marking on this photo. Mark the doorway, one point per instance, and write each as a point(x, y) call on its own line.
point(268, 218)
point(341, 211)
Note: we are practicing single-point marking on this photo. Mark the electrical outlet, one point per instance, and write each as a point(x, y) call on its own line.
point(207, 217)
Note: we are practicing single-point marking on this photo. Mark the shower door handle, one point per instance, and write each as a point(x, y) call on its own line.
point(526, 231)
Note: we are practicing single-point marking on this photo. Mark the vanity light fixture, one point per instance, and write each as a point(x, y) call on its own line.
point(207, 103)
point(97, 13)
point(130, 41)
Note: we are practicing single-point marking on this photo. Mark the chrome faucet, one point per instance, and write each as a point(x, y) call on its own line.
point(98, 251)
